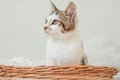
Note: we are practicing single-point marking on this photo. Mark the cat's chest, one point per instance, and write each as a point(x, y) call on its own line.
point(61, 48)
point(53, 47)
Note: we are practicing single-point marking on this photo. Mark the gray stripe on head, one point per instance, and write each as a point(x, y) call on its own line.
point(56, 12)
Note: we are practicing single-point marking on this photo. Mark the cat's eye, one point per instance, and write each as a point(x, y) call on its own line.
point(55, 22)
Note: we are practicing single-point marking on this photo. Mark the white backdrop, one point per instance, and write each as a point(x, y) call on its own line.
point(21, 24)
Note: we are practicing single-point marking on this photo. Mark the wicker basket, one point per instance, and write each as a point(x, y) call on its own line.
point(74, 72)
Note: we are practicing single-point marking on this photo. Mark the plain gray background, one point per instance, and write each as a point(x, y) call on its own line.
point(21, 23)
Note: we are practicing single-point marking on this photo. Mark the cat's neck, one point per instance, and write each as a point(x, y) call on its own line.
point(70, 36)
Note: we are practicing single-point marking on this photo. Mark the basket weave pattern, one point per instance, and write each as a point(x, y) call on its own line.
point(74, 72)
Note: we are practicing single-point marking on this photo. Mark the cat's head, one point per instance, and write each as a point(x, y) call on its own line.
point(61, 22)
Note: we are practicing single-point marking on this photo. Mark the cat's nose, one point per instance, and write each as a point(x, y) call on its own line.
point(46, 28)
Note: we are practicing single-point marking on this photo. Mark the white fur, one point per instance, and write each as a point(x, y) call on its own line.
point(63, 48)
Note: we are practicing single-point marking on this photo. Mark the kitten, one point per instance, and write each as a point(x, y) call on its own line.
point(64, 45)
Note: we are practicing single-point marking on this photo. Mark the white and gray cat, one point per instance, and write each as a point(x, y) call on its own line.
point(64, 45)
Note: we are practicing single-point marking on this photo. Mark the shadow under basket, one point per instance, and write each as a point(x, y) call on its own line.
point(73, 72)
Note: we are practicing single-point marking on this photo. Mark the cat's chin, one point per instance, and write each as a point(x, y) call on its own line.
point(51, 33)
point(53, 36)
point(47, 32)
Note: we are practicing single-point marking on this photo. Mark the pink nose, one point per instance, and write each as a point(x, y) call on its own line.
point(46, 28)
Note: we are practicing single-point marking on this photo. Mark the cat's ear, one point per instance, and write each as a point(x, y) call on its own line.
point(54, 8)
point(71, 10)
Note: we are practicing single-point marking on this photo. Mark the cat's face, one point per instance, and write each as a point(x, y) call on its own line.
point(61, 22)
